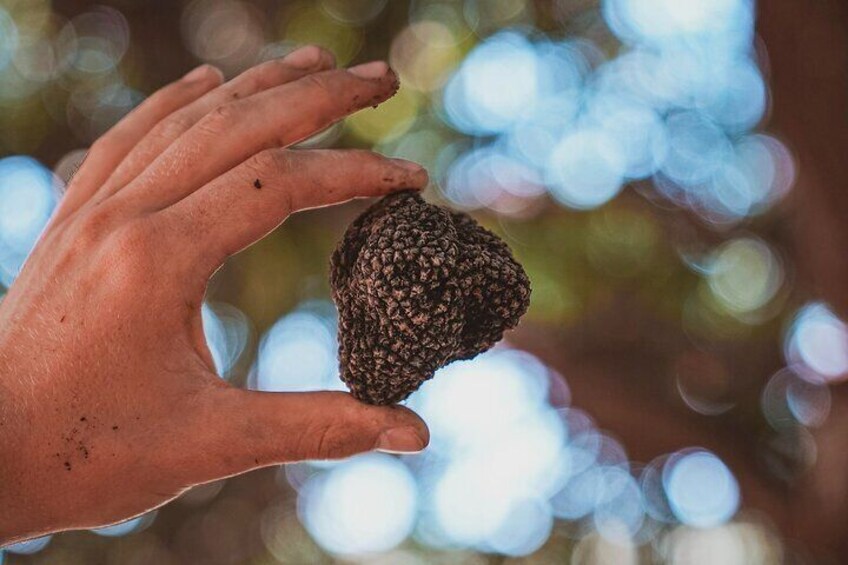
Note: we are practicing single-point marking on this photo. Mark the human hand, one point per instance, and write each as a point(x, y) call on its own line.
point(109, 402)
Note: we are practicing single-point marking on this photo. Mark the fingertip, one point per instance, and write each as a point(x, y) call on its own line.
point(406, 165)
point(204, 73)
point(400, 441)
point(392, 417)
point(310, 57)
point(364, 427)
point(412, 419)
point(415, 176)
point(408, 421)
point(329, 58)
point(217, 73)
point(371, 70)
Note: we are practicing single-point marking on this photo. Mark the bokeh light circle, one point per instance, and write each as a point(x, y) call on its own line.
point(366, 505)
point(818, 341)
point(701, 490)
point(27, 198)
point(586, 169)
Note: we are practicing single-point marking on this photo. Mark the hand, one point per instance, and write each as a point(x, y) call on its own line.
point(109, 402)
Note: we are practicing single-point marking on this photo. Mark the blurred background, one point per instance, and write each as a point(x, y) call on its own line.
point(671, 174)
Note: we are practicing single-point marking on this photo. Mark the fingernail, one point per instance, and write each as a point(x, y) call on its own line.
point(400, 440)
point(304, 57)
point(198, 74)
point(374, 69)
point(407, 165)
point(416, 176)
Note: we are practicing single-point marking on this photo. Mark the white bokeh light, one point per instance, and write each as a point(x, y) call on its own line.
point(298, 353)
point(495, 84)
point(226, 329)
point(661, 22)
point(818, 340)
point(365, 505)
point(525, 528)
point(473, 402)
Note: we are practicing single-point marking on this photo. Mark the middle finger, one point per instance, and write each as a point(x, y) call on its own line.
point(295, 65)
point(278, 117)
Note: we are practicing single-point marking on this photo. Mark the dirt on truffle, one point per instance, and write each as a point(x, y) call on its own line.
point(418, 286)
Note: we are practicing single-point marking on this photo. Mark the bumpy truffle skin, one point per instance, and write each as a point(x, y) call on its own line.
point(418, 286)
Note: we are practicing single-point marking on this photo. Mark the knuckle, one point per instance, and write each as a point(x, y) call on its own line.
point(329, 442)
point(276, 71)
point(264, 76)
point(133, 238)
point(93, 226)
point(97, 147)
point(269, 162)
point(310, 55)
point(129, 253)
point(255, 80)
point(171, 127)
point(163, 97)
point(319, 86)
point(222, 118)
point(104, 145)
point(371, 158)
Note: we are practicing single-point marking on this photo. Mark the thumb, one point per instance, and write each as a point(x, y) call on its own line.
point(241, 430)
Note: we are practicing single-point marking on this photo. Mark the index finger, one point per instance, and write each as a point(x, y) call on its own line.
point(247, 202)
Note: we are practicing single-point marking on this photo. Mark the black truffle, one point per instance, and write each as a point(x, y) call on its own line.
point(418, 286)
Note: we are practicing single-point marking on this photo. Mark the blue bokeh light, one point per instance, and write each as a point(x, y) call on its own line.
point(298, 353)
point(587, 168)
point(130, 526)
point(701, 490)
point(28, 547)
point(677, 105)
point(697, 147)
point(619, 511)
point(27, 198)
point(524, 529)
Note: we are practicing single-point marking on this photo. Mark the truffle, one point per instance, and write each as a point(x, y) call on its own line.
point(418, 286)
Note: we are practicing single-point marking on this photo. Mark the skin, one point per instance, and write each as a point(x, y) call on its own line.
point(109, 403)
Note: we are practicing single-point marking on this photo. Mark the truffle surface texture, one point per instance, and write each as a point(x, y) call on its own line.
point(418, 286)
